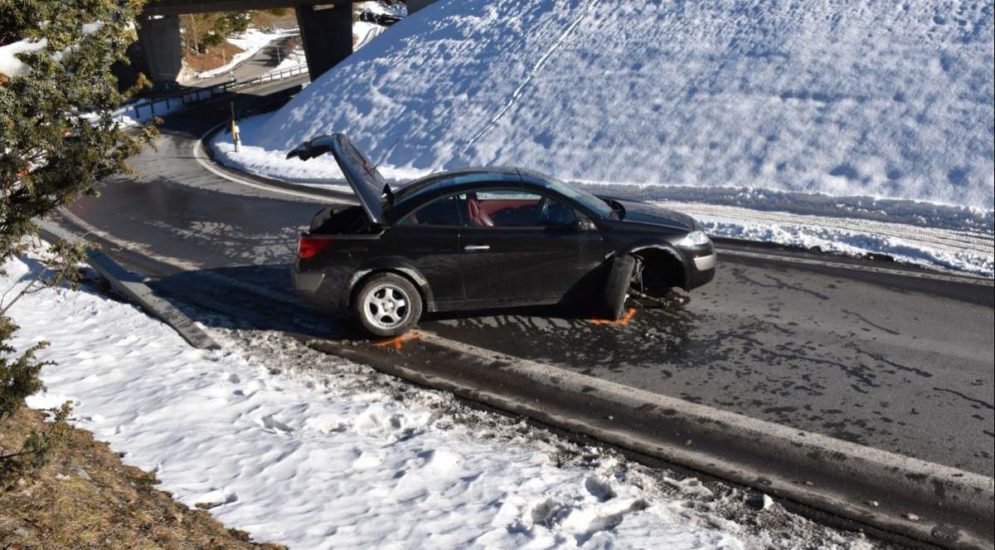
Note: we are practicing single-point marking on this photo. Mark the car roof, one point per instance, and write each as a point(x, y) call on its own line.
point(455, 178)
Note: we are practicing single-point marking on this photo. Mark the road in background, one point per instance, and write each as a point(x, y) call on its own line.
point(264, 61)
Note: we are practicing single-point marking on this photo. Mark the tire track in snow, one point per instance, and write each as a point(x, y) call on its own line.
point(536, 69)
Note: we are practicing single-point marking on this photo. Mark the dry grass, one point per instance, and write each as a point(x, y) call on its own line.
point(86, 498)
point(212, 58)
point(262, 19)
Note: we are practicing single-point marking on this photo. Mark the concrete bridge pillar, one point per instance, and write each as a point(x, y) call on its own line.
point(326, 31)
point(160, 41)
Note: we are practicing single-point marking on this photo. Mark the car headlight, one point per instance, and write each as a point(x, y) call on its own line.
point(694, 239)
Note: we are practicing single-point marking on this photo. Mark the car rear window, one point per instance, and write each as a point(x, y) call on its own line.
point(442, 211)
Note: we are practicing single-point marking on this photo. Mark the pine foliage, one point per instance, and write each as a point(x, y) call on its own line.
point(58, 138)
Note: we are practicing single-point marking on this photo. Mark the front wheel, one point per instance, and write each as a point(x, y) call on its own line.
point(387, 305)
point(616, 289)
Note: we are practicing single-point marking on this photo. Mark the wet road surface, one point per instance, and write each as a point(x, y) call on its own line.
point(901, 364)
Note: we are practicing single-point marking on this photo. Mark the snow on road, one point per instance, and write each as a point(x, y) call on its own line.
point(866, 101)
point(312, 451)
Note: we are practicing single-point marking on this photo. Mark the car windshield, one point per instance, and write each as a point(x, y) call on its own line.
point(592, 202)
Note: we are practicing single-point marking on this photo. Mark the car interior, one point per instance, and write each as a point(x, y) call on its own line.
point(495, 209)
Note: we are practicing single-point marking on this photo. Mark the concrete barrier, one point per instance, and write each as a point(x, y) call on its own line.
point(894, 494)
point(135, 290)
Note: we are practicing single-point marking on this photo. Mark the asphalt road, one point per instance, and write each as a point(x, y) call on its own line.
point(259, 64)
point(899, 362)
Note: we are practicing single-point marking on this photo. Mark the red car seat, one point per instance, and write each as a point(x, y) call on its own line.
point(476, 214)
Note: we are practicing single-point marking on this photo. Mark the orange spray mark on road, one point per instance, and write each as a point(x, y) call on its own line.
point(629, 315)
point(397, 343)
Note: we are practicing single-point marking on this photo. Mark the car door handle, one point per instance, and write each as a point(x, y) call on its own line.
point(476, 247)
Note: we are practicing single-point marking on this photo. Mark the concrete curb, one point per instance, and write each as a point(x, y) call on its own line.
point(912, 498)
point(204, 154)
point(133, 288)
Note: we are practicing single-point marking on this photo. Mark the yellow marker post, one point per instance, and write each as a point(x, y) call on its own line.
point(235, 135)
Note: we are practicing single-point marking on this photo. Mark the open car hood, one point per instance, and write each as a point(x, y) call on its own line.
point(361, 174)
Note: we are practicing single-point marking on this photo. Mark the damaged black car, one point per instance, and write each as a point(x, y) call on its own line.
point(486, 238)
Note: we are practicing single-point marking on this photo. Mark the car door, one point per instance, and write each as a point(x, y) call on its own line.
point(511, 255)
point(427, 240)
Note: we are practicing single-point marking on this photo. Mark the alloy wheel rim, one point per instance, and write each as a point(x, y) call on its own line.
point(387, 306)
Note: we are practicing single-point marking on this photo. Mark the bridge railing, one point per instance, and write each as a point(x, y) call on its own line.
point(160, 106)
point(282, 74)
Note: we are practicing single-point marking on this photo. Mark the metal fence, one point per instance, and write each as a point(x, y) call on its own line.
point(165, 105)
point(282, 74)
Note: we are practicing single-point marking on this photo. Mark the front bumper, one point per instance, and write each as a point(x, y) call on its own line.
point(705, 263)
point(701, 265)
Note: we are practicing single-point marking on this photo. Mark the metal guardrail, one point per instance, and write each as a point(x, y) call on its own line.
point(282, 74)
point(166, 105)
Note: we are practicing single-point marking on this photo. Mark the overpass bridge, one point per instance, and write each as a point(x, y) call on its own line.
point(326, 31)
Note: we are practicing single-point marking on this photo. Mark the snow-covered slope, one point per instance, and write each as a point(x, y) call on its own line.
point(846, 98)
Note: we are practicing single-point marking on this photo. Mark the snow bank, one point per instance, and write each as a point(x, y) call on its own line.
point(319, 172)
point(329, 459)
point(932, 247)
point(873, 99)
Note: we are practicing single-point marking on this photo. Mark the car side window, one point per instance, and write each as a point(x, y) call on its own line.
point(444, 211)
point(514, 208)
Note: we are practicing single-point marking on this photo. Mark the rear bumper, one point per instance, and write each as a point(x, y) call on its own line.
point(318, 290)
point(307, 283)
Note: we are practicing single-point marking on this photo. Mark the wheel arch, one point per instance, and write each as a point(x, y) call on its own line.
point(663, 259)
point(410, 273)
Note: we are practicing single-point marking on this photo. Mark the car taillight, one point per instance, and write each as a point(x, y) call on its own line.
point(309, 247)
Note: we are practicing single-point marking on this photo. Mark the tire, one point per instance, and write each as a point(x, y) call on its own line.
point(387, 305)
point(616, 287)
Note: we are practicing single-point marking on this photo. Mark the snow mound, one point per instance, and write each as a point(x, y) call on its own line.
point(332, 460)
point(870, 99)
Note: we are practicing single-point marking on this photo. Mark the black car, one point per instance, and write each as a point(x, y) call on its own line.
point(485, 238)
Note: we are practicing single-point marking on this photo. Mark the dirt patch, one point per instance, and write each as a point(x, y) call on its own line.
point(212, 58)
point(278, 18)
point(85, 497)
